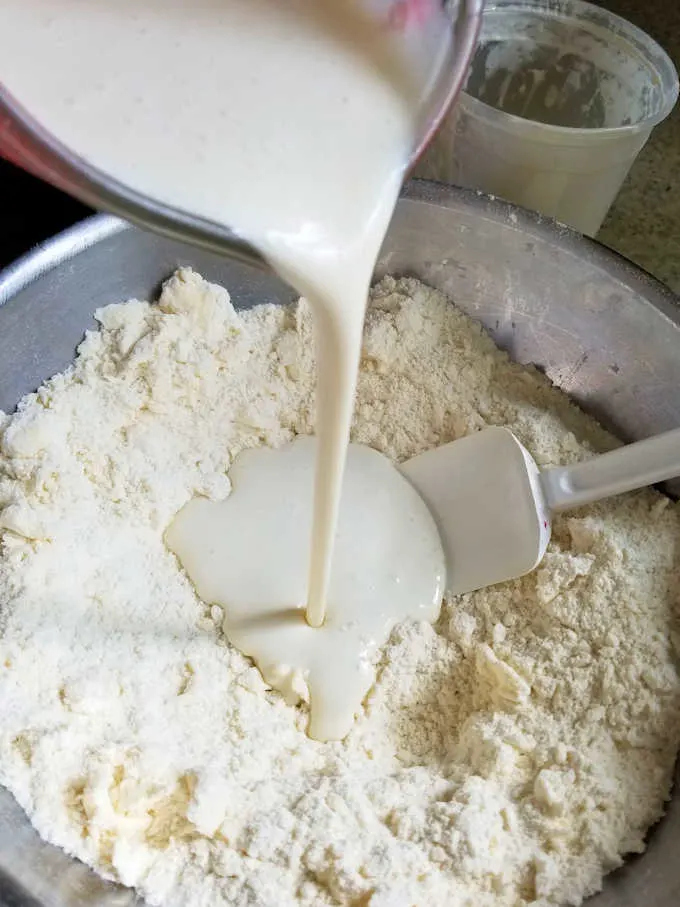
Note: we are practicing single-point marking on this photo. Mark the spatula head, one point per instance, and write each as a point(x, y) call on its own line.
point(484, 492)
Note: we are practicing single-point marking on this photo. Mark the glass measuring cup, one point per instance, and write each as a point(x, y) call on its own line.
point(26, 143)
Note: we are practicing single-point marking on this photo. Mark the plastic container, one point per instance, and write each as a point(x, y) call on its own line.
point(560, 99)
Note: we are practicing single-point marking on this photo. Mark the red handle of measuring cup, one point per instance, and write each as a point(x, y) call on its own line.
point(22, 145)
point(404, 13)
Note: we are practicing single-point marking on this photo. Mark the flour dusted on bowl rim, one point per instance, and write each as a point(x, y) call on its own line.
point(512, 753)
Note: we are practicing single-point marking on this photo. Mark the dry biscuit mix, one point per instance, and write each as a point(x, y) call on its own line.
point(511, 754)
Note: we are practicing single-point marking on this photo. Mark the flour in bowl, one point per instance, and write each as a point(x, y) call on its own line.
point(509, 755)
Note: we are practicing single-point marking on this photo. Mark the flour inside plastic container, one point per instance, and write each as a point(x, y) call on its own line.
point(513, 753)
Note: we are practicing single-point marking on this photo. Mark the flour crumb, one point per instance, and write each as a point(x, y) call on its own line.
point(512, 754)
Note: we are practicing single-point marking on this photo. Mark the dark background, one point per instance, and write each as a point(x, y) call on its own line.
point(30, 212)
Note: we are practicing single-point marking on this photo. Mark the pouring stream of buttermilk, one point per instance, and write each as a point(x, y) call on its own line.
point(292, 124)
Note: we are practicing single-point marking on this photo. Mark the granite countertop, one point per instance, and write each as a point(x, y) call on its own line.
point(644, 223)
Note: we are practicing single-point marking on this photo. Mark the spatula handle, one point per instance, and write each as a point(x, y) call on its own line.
point(630, 467)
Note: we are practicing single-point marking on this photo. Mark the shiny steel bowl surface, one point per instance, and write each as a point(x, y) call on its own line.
point(601, 329)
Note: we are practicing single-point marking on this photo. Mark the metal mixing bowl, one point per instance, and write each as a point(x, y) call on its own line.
point(601, 329)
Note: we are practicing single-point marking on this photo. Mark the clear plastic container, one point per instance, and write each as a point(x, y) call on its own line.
point(560, 99)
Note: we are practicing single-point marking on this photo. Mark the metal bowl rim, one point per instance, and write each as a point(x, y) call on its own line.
point(98, 227)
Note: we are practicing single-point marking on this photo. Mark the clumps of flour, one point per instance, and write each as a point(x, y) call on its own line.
point(510, 755)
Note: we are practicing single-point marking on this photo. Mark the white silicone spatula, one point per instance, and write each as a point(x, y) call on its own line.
point(494, 506)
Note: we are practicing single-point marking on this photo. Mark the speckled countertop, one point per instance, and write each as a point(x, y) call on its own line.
point(644, 222)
